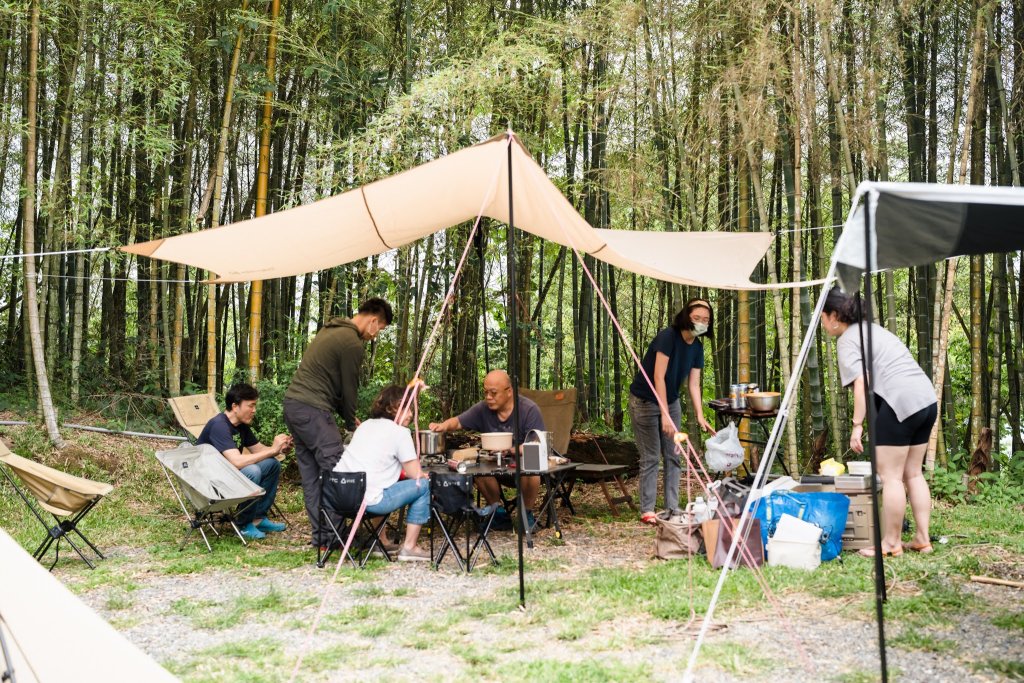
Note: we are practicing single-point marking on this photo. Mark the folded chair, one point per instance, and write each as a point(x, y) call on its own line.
point(215, 489)
point(452, 508)
point(341, 496)
point(67, 498)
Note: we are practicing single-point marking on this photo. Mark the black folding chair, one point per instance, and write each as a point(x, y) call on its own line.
point(452, 508)
point(66, 497)
point(341, 496)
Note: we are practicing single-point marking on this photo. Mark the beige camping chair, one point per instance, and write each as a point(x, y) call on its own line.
point(558, 408)
point(66, 497)
point(193, 412)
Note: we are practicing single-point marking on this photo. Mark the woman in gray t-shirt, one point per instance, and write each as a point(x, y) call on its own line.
point(906, 410)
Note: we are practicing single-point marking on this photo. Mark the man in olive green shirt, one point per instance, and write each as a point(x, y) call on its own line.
point(327, 381)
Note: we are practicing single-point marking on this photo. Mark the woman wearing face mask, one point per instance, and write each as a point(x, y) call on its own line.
point(675, 356)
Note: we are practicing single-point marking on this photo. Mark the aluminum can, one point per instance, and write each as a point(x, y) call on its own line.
point(736, 396)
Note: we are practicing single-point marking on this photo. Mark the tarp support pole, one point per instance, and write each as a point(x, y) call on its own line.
point(513, 371)
point(867, 362)
point(761, 476)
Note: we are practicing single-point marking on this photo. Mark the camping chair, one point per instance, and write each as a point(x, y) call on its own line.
point(452, 508)
point(193, 412)
point(558, 408)
point(67, 498)
point(341, 496)
point(216, 490)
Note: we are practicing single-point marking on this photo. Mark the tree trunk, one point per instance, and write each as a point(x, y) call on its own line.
point(262, 183)
point(29, 213)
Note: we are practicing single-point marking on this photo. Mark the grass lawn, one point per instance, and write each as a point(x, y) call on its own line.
point(598, 606)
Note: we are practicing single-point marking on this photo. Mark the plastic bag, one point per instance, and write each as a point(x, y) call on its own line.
point(831, 468)
point(828, 511)
point(724, 451)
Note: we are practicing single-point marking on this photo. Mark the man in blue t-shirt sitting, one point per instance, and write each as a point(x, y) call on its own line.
point(494, 414)
point(229, 433)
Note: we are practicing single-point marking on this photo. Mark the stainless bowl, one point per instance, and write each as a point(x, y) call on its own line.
point(764, 401)
point(431, 442)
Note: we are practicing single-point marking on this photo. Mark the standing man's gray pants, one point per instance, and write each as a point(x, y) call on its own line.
point(318, 447)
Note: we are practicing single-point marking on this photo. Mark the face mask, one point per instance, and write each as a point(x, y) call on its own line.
point(699, 328)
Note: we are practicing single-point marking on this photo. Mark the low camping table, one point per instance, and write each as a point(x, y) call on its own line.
point(724, 413)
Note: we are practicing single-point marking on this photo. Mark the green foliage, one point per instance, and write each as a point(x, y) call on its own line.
point(1004, 486)
point(269, 420)
point(948, 485)
point(1010, 669)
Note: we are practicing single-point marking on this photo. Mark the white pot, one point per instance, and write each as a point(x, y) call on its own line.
point(496, 441)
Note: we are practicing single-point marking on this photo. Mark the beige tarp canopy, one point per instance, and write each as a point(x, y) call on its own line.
point(400, 209)
point(53, 637)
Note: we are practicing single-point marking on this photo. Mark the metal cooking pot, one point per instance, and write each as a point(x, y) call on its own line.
point(764, 401)
point(431, 442)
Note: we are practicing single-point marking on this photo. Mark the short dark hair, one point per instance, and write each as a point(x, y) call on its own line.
point(848, 309)
point(682, 320)
point(377, 307)
point(387, 402)
point(239, 393)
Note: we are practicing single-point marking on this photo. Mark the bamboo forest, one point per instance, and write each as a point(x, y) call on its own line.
point(128, 121)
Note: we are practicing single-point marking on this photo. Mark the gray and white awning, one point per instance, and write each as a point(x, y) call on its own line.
point(914, 224)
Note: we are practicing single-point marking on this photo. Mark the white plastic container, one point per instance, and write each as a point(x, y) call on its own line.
point(699, 510)
point(793, 554)
point(859, 467)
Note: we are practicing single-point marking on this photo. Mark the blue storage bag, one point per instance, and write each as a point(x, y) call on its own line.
point(828, 511)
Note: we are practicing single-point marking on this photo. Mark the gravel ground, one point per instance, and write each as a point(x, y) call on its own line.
point(823, 639)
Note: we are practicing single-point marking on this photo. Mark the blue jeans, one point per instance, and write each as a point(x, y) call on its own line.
point(412, 492)
point(654, 445)
point(264, 473)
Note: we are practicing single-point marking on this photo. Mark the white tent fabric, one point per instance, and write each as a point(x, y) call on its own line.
point(53, 637)
point(400, 209)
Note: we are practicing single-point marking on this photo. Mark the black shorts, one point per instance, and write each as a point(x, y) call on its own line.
point(913, 431)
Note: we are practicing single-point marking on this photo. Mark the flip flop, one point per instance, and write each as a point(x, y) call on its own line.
point(924, 548)
point(649, 518)
point(870, 552)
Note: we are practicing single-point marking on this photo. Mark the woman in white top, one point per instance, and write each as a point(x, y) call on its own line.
point(906, 409)
point(383, 448)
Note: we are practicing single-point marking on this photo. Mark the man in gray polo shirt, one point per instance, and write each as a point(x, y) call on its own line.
point(494, 414)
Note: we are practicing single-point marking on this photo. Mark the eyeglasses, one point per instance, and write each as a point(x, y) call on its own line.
point(491, 393)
